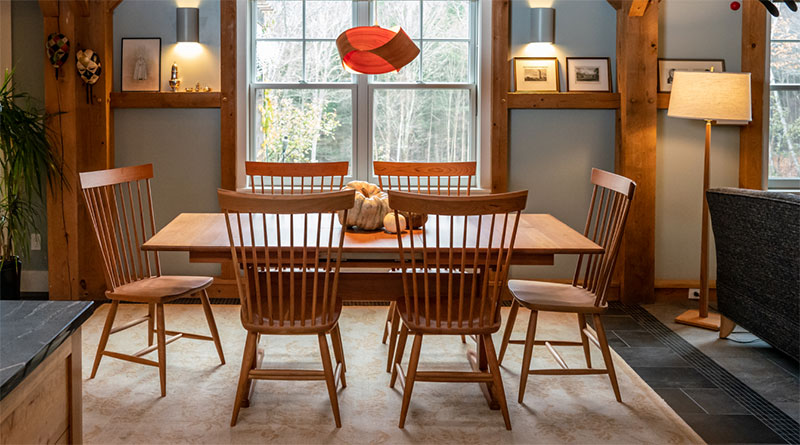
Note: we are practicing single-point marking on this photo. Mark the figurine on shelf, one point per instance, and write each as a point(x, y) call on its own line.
point(197, 87)
point(174, 80)
point(207, 89)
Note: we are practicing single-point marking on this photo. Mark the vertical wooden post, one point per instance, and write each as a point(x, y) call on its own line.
point(500, 85)
point(229, 151)
point(754, 59)
point(637, 63)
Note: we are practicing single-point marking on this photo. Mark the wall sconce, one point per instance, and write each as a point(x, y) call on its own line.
point(188, 20)
point(543, 27)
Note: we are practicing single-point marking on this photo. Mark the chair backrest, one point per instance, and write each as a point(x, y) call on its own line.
point(289, 251)
point(295, 177)
point(454, 271)
point(430, 178)
point(120, 206)
point(611, 199)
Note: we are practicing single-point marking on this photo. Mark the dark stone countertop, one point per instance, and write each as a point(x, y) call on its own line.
point(32, 330)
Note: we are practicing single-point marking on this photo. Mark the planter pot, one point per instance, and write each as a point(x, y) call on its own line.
point(10, 278)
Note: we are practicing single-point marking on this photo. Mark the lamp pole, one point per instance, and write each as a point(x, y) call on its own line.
point(703, 309)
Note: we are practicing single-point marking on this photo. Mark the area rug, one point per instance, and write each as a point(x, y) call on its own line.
point(122, 404)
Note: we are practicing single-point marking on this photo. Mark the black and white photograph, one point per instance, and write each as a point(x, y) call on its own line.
point(667, 68)
point(141, 64)
point(535, 74)
point(588, 74)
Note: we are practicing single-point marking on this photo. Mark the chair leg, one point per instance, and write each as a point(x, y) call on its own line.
point(527, 355)
point(389, 316)
point(398, 355)
point(151, 321)
point(162, 348)
point(244, 375)
point(585, 340)
point(338, 351)
point(512, 317)
point(329, 379)
point(393, 338)
point(101, 347)
point(412, 374)
point(494, 368)
point(212, 325)
point(601, 338)
point(463, 339)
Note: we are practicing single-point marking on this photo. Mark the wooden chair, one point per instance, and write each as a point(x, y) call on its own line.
point(289, 278)
point(295, 178)
point(120, 205)
point(430, 178)
point(586, 296)
point(452, 282)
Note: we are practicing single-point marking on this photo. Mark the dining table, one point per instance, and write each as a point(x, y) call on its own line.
point(370, 258)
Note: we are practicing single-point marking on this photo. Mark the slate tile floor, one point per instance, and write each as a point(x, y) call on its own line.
point(717, 405)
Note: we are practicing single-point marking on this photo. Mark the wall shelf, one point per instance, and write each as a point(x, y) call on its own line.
point(165, 100)
point(573, 100)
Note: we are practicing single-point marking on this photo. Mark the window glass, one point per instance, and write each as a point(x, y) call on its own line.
point(784, 100)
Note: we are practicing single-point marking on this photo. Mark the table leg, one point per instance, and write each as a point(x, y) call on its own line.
point(479, 362)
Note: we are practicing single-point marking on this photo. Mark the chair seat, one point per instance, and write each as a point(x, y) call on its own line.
point(453, 328)
point(554, 297)
point(160, 289)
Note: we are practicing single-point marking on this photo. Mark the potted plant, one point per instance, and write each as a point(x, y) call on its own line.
point(26, 159)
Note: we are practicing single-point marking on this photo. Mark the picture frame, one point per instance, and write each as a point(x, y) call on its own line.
point(536, 74)
point(667, 67)
point(140, 68)
point(589, 74)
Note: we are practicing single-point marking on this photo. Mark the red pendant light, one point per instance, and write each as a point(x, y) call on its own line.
point(375, 50)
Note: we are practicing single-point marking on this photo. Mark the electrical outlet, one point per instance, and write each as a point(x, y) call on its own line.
point(694, 294)
point(36, 241)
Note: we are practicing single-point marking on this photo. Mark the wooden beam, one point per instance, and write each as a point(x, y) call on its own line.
point(500, 85)
point(637, 63)
point(112, 5)
point(49, 8)
point(81, 7)
point(229, 152)
point(638, 7)
point(754, 59)
point(574, 100)
point(165, 100)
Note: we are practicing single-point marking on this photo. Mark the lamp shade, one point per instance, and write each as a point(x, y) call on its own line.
point(375, 50)
point(543, 25)
point(711, 96)
point(188, 25)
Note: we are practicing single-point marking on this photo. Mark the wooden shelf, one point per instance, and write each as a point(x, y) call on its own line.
point(574, 100)
point(165, 100)
point(663, 101)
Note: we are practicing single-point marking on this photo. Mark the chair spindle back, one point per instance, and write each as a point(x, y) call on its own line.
point(611, 199)
point(454, 271)
point(429, 178)
point(289, 250)
point(296, 177)
point(120, 206)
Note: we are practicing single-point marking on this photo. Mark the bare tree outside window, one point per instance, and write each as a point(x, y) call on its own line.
point(784, 119)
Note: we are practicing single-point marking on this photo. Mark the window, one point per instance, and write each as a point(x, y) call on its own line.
point(784, 101)
point(306, 108)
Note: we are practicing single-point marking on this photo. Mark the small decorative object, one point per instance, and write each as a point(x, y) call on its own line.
point(197, 87)
point(207, 89)
point(536, 74)
point(588, 74)
point(174, 80)
point(88, 64)
point(375, 50)
point(141, 64)
point(415, 220)
point(371, 206)
point(390, 225)
point(188, 89)
point(668, 67)
point(57, 50)
point(735, 6)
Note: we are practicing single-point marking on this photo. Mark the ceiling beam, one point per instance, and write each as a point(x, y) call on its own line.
point(638, 7)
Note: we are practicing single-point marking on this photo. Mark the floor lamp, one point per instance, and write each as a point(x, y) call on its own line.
point(713, 98)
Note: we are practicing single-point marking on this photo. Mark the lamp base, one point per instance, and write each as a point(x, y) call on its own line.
point(692, 318)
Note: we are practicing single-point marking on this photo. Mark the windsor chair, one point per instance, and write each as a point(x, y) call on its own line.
point(454, 290)
point(120, 205)
point(587, 296)
point(430, 178)
point(295, 178)
point(288, 279)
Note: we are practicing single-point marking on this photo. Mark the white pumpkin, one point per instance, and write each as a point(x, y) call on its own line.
point(390, 224)
point(371, 205)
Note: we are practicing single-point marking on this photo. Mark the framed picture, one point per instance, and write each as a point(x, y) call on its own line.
point(667, 68)
point(588, 74)
point(141, 64)
point(536, 74)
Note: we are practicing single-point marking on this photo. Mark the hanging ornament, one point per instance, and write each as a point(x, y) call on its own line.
point(57, 50)
point(375, 50)
point(88, 64)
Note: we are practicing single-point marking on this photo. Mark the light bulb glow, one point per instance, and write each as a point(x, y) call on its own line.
point(188, 49)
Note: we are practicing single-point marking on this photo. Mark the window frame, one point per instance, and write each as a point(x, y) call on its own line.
point(774, 183)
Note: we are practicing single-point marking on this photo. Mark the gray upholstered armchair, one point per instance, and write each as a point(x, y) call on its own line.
point(757, 236)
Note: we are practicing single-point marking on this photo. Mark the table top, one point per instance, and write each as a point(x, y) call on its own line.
point(538, 234)
point(32, 330)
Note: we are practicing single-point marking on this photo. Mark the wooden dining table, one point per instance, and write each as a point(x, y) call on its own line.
point(369, 270)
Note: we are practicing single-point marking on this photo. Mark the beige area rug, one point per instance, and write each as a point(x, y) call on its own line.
point(122, 404)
